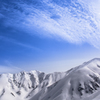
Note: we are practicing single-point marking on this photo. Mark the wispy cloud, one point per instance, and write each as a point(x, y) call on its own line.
point(19, 43)
point(9, 68)
point(75, 21)
point(5, 69)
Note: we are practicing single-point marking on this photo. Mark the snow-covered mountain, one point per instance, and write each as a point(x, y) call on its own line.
point(79, 83)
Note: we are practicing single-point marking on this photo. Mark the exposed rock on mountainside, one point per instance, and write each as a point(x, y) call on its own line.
point(79, 83)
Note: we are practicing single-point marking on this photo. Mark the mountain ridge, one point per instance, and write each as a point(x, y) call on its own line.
point(80, 83)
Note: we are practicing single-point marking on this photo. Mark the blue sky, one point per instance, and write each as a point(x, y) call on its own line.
point(48, 35)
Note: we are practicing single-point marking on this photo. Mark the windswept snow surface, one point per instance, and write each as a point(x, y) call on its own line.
point(79, 83)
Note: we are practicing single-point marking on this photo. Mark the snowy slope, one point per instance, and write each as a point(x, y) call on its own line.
point(82, 83)
point(22, 85)
point(79, 83)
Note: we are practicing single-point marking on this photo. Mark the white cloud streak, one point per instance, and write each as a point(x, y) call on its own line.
point(76, 22)
point(9, 68)
point(19, 43)
point(74, 25)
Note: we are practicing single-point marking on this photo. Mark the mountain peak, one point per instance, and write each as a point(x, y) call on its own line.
point(79, 83)
point(95, 59)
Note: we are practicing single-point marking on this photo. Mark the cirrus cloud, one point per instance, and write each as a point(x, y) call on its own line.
point(75, 21)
